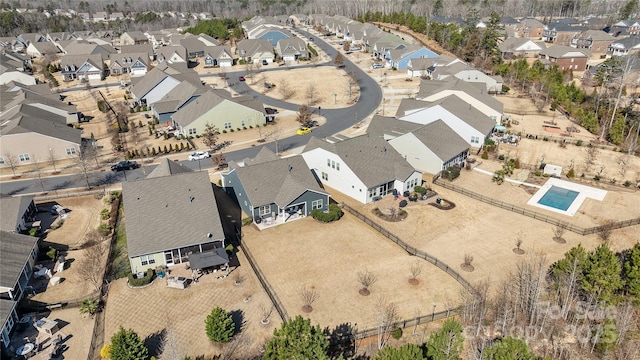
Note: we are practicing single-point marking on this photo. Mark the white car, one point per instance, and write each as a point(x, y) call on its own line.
point(199, 155)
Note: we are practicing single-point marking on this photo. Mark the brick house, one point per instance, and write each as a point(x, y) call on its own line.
point(566, 57)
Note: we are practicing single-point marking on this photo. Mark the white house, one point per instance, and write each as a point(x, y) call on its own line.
point(429, 148)
point(470, 124)
point(364, 168)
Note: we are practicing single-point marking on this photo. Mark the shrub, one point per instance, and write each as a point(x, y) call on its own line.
point(451, 173)
point(33, 232)
point(247, 221)
point(104, 229)
point(538, 173)
point(571, 174)
point(52, 253)
point(420, 190)
point(105, 352)
point(579, 143)
point(627, 183)
point(596, 178)
point(335, 213)
point(146, 279)
point(545, 139)
point(516, 163)
point(501, 157)
point(104, 214)
point(396, 333)
point(485, 155)
point(505, 89)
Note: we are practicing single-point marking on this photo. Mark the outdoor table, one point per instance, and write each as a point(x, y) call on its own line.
point(25, 349)
point(49, 326)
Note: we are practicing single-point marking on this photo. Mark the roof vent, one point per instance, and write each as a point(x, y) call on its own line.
point(191, 198)
point(290, 167)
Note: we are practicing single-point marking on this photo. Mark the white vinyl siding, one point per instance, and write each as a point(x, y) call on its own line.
point(24, 157)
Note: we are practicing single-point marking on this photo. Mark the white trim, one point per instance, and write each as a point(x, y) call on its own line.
point(584, 192)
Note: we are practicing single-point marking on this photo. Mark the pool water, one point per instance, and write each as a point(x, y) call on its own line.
point(558, 198)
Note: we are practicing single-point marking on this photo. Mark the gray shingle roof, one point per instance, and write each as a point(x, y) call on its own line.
point(432, 87)
point(441, 140)
point(167, 168)
point(177, 96)
point(6, 307)
point(561, 51)
point(14, 253)
point(278, 181)
point(27, 118)
point(170, 212)
point(197, 108)
point(12, 208)
point(390, 127)
point(370, 157)
point(147, 82)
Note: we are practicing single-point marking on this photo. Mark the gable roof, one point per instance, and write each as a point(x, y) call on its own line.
point(561, 51)
point(183, 216)
point(147, 82)
point(432, 87)
point(136, 49)
point(263, 156)
point(136, 35)
point(27, 118)
point(167, 168)
point(278, 181)
point(79, 60)
point(45, 47)
point(248, 47)
point(12, 208)
point(441, 140)
point(390, 127)
point(15, 250)
point(370, 157)
point(197, 108)
point(177, 96)
point(513, 43)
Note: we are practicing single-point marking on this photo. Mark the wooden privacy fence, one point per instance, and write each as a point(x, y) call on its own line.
point(403, 324)
point(535, 215)
point(410, 249)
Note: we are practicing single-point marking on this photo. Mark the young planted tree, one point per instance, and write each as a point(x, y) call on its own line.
point(11, 161)
point(309, 295)
point(210, 135)
point(285, 90)
point(352, 82)
point(416, 270)
point(311, 94)
point(52, 160)
point(366, 279)
point(590, 157)
point(338, 59)
point(82, 161)
point(466, 265)
point(218, 159)
point(127, 345)
point(297, 339)
point(37, 167)
point(275, 134)
point(558, 232)
point(90, 268)
point(605, 230)
point(220, 326)
point(265, 313)
point(517, 249)
point(304, 114)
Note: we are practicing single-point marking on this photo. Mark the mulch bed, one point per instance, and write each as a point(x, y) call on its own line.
point(448, 205)
point(518, 251)
point(399, 216)
point(364, 292)
point(414, 281)
point(559, 240)
point(468, 268)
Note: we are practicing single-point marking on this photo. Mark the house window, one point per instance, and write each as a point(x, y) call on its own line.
point(328, 162)
point(338, 166)
point(192, 131)
point(71, 151)
point(147, 260)
point(1, 161)
point(333, 164)
point(242, 123)
point(227, 125)
point(316, 204)
point(264, 210)
point(572, 59)
point(475, 140)
point(325, 176)
point(24, 157)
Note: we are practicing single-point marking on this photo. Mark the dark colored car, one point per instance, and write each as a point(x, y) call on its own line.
point(310, 124)
point(241, 78)
point(124, 165)
point(270, 111)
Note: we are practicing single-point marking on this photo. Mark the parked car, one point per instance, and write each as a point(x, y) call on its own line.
point(199, 155)
point(265, 62)
point(241, 78)
point(147, 116)
point(303, 131)
point(377, 65)
point(270, 111)
point(124, 165)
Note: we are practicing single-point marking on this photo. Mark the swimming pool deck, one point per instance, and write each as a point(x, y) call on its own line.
point(584, 192)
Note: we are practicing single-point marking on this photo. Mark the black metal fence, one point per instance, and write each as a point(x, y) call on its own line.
point(535, 215)
point(410, 249)
point(265, 284)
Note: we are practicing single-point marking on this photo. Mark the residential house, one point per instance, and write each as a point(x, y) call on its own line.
point(530, 28)
point(133, 38)
point(624, 46)
point(399, 58)
point(272, 35)
point(175, 99)
point(566, 57)
point(133, 64)
point(424, 67)
point(18, 254)
point(172, 54)
point(159, 82)
point(218, 108)
point(465, 120)
point(513, 47)
point(40, 96)
point(27, 38)
point(470, 93)
point(629, 65)
point(11, 70)
point(156, 240)
point(510, 25)
point(428, 148)
point(31, 134)
point(493, 83)
point(561, 32)
point(41, 49)
point(61, 36)
point(17, 212)
point(291, 49)
point(364, 168)
point(596, 41)
point(254, 50)
point(208, 40)
point(136, 49)
point(82, 67)
point(85, 47)
point(100, 16)
point(274, 190)
point(115, 16)
point(158, 38)
point(625, 28)
point(195, 48)
point(218, 56)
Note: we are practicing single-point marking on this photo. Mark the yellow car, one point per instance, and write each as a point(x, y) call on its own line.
point(303, 131)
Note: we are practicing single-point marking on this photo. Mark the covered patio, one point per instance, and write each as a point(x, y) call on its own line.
point(209, 261)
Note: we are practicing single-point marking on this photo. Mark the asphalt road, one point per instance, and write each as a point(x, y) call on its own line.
point(337, 121)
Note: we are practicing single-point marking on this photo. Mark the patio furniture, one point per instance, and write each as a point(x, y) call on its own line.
point(177, 282)
point(47, 325)
point(55, 280)
point(25, 349)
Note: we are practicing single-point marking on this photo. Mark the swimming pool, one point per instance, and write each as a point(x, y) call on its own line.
point(558, 198)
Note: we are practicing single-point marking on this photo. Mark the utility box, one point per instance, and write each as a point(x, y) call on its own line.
point(553, 170)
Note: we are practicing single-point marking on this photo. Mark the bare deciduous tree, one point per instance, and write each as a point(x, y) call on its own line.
point(265, 313)
point(466, 265)
point(416, 270)
point(304, 114)
point(366, 279)
point(82, 161)
point(519, 240)
point(338, 59)
point(604, 231)
point(558, 232)
point(170, 347)
point(590, 157)
point(12, 161)
point(387, 316)
point(90, 267)
point(37, 167)
point(210, 135)
point(52, 160)
point(311, 94)
point(275, 134)
point(352, 82)
point(285, 90)
point(218, 159)
point(308, 295)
